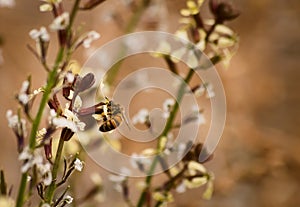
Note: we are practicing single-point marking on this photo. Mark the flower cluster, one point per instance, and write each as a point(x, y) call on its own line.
point(63, 94)
point(35, 160)
point(210, 34)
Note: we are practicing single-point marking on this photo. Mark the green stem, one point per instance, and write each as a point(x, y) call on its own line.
point(51, 188)
point(32, 138)
point(22, 187)
point(128, 29)
point(167, 128)
point(72, 18)
point(51, 81)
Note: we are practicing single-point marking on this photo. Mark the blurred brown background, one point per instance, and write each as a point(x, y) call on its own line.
point(257, 162)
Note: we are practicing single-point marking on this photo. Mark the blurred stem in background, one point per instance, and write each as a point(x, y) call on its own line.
point(130, 27)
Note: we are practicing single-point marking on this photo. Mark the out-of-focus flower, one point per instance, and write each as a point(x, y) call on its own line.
point(118, 180)
point(181, 188)
point(90, 37)
point(193, 8)
point(78, 164)
point(141, 117)
point(41, 34)
point(164, 48)
point(45, 205)
point(23, 95)
point(139, 161)
point(6, 201)
point(210, 93)
point(45, 173)
point(18, 125)
point(7, 3)
point(167, 107)
point(163, 197)
point(48, 5)
point(61, 22)
point(97, 179)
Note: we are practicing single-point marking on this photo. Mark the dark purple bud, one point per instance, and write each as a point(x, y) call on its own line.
point(48, 149)
point(66, 92)
point(66, 134)
point(125, 190)
point(20, 142)
point(85, 83)
point(223, 11)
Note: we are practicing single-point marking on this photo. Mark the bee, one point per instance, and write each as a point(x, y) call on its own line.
point(111, 116)
point(109, 113)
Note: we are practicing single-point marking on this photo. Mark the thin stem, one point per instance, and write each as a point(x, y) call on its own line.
point(51, 188)
point(22, 187)
point(167, 128)
point(72, 18)
point(128, 29)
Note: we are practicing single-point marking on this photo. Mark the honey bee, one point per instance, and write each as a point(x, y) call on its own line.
point(111, 114)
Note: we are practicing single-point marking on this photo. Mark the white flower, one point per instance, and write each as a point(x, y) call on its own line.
point(181, 150)
point(25, 154)
point(45, 205)
point(61, 22)
point(182, 34)
point(71, 121)
point(78, 165)
point(41, 34)
point(47, 178)
point(141, 117)
point(70, 77)
point(96, 178)
point(195, 182)
point(23, 97)
point(34, 158)
point(164, 48)
point(46, 7)
point(163, 197)
point(181, 188)
point(194, 166)
point(167, 105)
point(91, 36)
point(210, 93)
point(12, 119)
point(199, 91)
point(14, 122)
point(119, 179)
point(68, 199)
point(7, 3)
point(138, 161)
